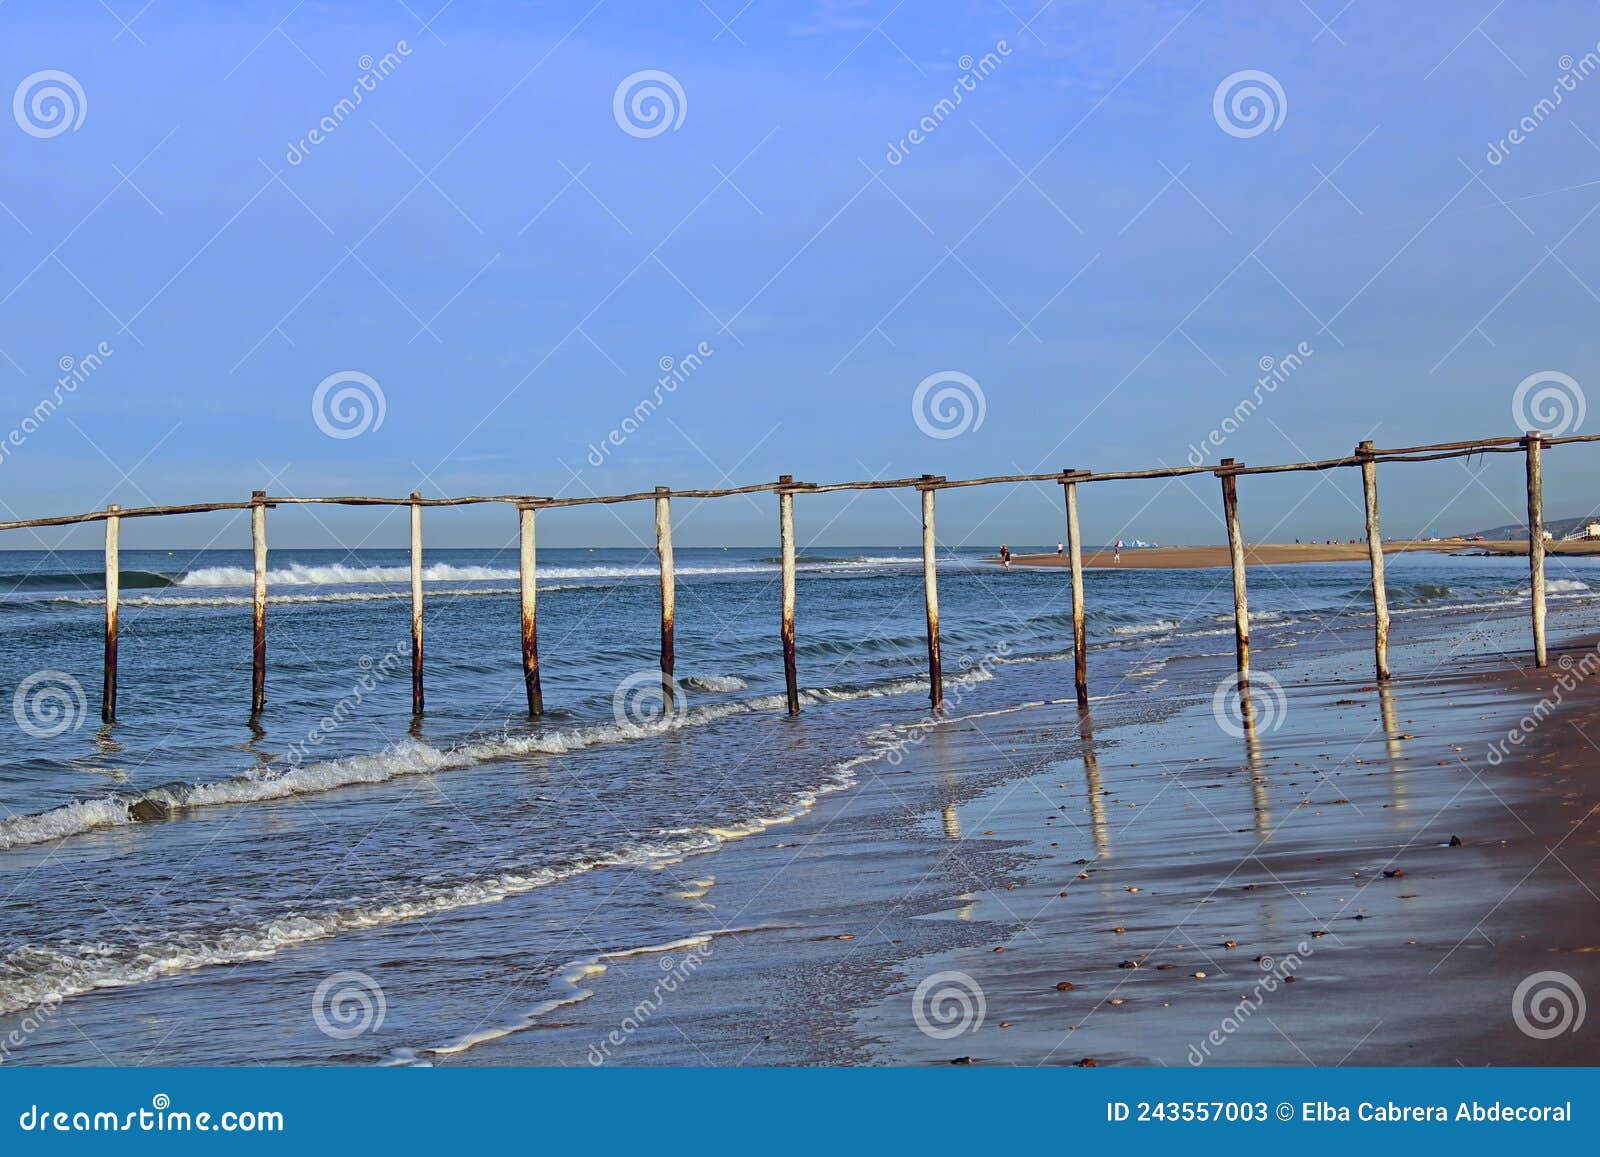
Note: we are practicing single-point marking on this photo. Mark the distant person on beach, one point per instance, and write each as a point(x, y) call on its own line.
point(1116, 552)
point(1005, 555)
point(1060, 549)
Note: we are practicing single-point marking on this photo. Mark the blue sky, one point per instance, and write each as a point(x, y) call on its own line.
point(1081, 237)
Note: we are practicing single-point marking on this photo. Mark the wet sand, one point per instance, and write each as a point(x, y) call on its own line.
point(1184, 875)
point(1160, 868)
point(1277, 554)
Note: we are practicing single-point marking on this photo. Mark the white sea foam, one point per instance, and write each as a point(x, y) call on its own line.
point(715, 683)
point(305, 574)
point(407, 757)
point(31, 974)
point(569, 986)
point(1145, 628)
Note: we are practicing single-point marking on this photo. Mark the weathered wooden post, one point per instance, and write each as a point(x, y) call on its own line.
point(930, 593)
point(416, 603)
point(669, 593)
point(1536, 541)
point(1080, 649)
point(528, 575)
point(1241, 606)
point(108, 686)
point(786, 540)
point(258, 544)
point(1380, 596)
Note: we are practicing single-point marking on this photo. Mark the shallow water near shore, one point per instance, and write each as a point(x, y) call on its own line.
point(509, 885)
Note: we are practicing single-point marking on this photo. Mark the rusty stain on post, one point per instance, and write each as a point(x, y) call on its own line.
point(669, 593)
point(1380, 596)
point(1080, 648)
point(416, 604)
point(786, 540)
point(1536, 542)
point(108, 687)
point(258, 601)
point(528, 577)
point(1241, 606)
point(930, 595)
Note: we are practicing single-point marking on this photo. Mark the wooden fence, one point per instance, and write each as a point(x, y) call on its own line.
point(1365, 458)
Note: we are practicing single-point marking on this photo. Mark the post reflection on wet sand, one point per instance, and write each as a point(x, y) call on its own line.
point(1091, 772)
point(1260, 801)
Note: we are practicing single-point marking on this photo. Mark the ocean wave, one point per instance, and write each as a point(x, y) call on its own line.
point(409, 757)
point(30, 974)
point(301, 574)
point(1153, 628)
point(336, 574)
point(89, 580)
point(715, 683)
point(568, 987)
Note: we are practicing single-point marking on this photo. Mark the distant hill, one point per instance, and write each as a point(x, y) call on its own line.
point(1558, 527)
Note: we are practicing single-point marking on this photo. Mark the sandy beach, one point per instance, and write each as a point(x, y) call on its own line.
point(1282, 553)
point(1115, 884)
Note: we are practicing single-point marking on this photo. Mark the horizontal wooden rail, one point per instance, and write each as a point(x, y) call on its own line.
point(1429, 453)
